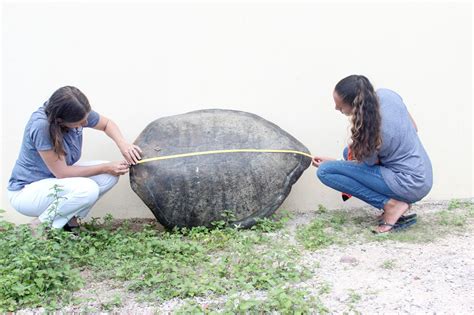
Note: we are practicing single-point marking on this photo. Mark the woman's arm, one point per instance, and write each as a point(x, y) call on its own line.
point(60, 169)
point(129, 151)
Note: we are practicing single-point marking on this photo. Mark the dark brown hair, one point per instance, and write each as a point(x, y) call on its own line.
point(67, 105)
point(358, 92)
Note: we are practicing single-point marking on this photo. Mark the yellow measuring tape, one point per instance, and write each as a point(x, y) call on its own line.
point(175, 156)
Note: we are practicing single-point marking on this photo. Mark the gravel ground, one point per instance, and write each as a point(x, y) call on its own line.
point(399, 278)
point(387, 277)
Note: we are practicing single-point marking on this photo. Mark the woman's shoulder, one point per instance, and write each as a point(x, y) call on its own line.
point(390, 101)
point(38, 121)
point(384, 93)
point(39, 115)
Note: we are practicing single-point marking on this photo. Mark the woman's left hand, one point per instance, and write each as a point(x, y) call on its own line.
point(318, 160)
point(131, 153)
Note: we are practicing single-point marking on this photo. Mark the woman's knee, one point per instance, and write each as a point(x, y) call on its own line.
point(328, 169)
point(110, 180)
point(324, 170)
point(86, 189)
point(105, 182)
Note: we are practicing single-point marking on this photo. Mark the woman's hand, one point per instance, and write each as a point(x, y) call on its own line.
point(131, 153)
point(117, 168)
point(318, 160)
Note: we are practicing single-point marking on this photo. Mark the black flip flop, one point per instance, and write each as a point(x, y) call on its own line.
point(402, 219)
point(71, 228)
point(397, 227)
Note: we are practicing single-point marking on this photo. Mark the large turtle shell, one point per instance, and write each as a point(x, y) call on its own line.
point(198, 190)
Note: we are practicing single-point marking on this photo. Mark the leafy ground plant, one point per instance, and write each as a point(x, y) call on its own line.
point(34, 271)
point(161, 265)
point(219, 264)
point(279, 300)
point(324, 230)
point(345, 227)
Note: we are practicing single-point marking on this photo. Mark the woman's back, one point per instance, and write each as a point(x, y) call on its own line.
point(407, 167)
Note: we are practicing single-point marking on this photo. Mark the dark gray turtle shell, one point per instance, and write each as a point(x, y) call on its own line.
point(198, 190)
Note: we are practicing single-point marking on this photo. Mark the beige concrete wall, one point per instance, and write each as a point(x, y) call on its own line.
point(139, 62)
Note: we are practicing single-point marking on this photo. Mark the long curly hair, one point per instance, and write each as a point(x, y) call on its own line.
point(358, 92)
point(67, 105)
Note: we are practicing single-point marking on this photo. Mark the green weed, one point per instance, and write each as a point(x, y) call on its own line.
point(53, 208)
point(315, 235)
point(330, 227)
point(388, 264)
point(459, 204)
point(285, 301)
point(451, 218)
point(35, 272)
point(273, 223)
point(115, 301)
point(279, 300)
point(182, 263)
point(325, 288)
point(354, 298)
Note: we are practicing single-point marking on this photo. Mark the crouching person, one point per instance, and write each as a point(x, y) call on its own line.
point(47, 182)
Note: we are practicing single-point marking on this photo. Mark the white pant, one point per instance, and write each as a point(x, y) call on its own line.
point(77, 195)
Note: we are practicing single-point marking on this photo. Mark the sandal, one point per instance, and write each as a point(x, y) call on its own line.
point(71, 228)
point(397, 227)
point(402, 219)
point(72, 225)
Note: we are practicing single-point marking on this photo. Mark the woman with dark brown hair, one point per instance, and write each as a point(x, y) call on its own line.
point(51, 148)
point(385, 164)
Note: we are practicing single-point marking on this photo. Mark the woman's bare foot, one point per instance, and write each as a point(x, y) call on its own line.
point(381, 217)
point(393, 210)
point(34, 225)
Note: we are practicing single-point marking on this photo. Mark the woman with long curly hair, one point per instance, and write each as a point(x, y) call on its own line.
point(385, 163)
point(47, 182)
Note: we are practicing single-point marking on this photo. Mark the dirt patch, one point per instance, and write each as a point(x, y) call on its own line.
point(136, 224)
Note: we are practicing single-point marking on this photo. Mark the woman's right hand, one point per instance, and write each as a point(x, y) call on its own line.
point(117, 168)
point(318, 160)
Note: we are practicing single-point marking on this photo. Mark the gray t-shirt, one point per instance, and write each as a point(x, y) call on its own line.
point(406, 167)
point(29, 166)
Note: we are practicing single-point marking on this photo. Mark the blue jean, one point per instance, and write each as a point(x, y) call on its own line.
point(358, 179)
